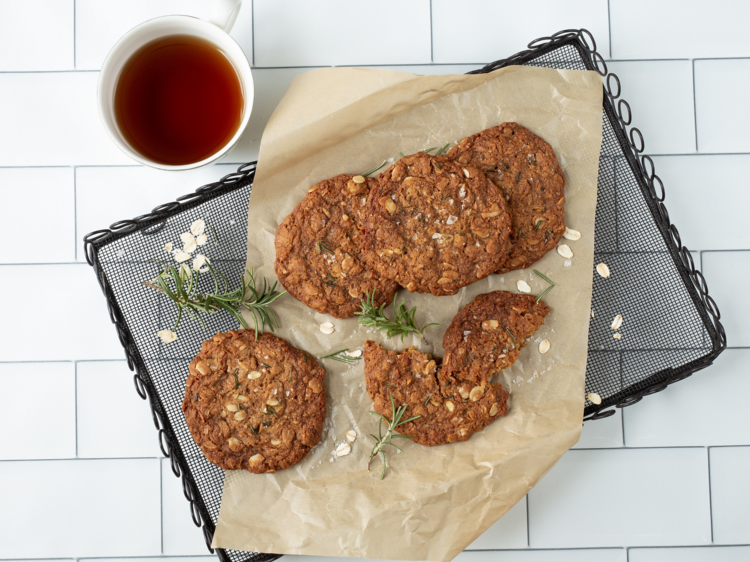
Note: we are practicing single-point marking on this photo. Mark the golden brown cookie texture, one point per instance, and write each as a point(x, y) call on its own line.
point(411, 377)
point(254, 405)
point(487, 335)
point(525, 168)
point(319, 249)
point(434, 225)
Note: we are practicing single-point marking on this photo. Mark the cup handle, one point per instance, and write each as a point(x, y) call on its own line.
point(225, 13)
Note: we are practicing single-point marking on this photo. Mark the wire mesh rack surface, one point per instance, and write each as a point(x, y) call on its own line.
point(670, 333)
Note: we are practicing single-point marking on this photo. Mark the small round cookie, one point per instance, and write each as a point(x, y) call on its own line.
point(525, 168)
point(487, 335)
point(435, 226)
point(448, 413)
point(254, 405)
point(319, 249)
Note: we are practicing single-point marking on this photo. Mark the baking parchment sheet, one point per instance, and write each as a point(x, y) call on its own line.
point(434, 501)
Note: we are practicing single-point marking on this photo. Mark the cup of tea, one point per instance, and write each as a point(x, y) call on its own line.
point(176, 92)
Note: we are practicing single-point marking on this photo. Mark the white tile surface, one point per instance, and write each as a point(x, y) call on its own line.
point(602, 433)
point(661, 498)
point(730, 494)
point(139, 190)
point(724, 272)
point(706, 409)
point(504, 28)
point(685, 179)
point(180, 535)
point(697, 554)
point(47, 392)
point(720, 100)
point(51, 119)
point(665, 29)
point(509, 531)
point(48, 194)
point(335, 32)
point(80, 508)
point(660, 95)
point(74, 309)
point(36, 35)
point(113, 421)
point(591, 555)
point(100, 24)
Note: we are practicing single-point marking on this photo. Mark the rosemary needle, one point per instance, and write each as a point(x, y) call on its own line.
point(403, 322)
point(442, 149)
point(548, 289)
point(342, 356)
point(374, 169)
point(381, 440)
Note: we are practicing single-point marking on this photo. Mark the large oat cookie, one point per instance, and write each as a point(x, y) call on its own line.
point(525, 168)
point(435, 226)
point(254, 405)
point(319, 249)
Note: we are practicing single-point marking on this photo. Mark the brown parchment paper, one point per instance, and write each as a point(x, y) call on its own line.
point(434, 501)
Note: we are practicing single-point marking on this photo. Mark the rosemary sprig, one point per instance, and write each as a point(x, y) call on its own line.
point(548, 289)
point(402, 155)
point(442, 149)
point(428, 150)
point(403, 322)
point(512, 337)
point(381, 440)
point(323, 246)
point(342, 356)
point(374, 169)
point(182, 289)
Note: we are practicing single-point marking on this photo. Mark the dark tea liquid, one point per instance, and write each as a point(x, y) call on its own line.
point(178, 100)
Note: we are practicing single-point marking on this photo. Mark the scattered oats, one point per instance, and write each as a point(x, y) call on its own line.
point(617, 322)
point(462, 192)
point(168, 247)
point(567, 263)
point(198, 227)
point(617, 335)
point(594, 398)
point(199, 261)
point(231, 221)
point(186, 238)
point(564, 251)
point(437, 235)
point(167, 336)
point(603, 270)
point(544, 346)
point(358, 179)
point(351, 436)
point(120, 253)
point(355, 353)
point(571, 234)
point(592, 313)
point(327, 328)
point(451, 219)
point(190, 247)
point(202, 239)
point(466, 173)
point(343, 449)
point(523, 286)
point(181, 257)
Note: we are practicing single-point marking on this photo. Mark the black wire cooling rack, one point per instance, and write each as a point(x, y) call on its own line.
point(672, 326)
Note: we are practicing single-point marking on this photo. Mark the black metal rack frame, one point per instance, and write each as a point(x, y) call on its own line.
point(622, 151)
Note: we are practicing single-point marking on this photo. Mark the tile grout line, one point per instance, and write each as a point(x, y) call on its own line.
point(75, 400)
point(432, 41)
point(528, 525)
point(609, 27)
point(252, 28)
point(622, 414)
point(695, 105)
point(75, 65)
point(710, 498)
point(161, 503)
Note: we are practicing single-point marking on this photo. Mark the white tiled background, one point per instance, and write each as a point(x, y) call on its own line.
point(81, 475)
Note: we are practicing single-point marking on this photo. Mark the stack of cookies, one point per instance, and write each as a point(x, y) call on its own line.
point(430, 224)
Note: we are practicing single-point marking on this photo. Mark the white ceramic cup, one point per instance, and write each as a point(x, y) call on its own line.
point(215, 30)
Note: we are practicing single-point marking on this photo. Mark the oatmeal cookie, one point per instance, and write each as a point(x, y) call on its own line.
point(319, 250)
point(487, 335)
point(525, 168)
point(435, 226)
point(254, 405)
point(448, 412)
